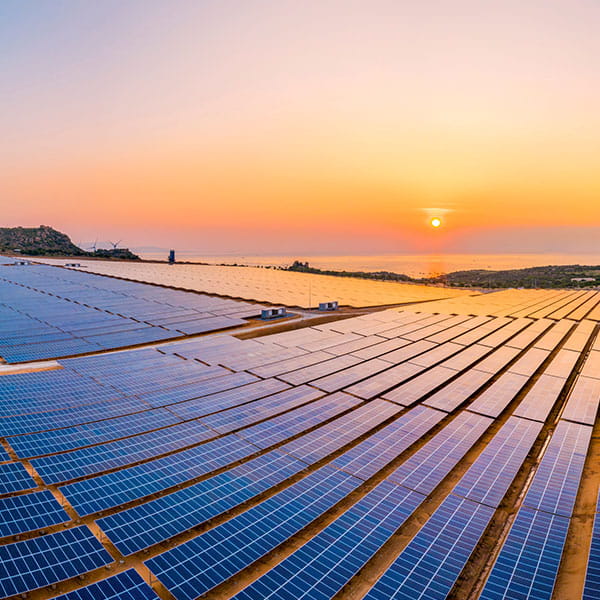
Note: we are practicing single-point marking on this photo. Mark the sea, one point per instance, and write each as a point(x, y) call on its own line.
point(414, 265)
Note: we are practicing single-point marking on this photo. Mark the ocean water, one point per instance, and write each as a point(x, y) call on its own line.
point(413, 265)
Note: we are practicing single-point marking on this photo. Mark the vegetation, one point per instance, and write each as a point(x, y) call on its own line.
point(46, 241)
point(562, 276)
point(304, 267)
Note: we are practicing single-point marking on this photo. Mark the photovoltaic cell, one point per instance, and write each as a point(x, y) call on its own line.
point(490, 476)
point(127, 585)
point(556, 481)
point(14, 478)
point(196, 566)
point(147, 524)
point(26, 512)
point(425, 469)
point(112, 489)
point(582, 403)
point(592, 578)
point(431, 563)
point(528, 562)
point(372, 454)
point(322, 566)
point(41, 561)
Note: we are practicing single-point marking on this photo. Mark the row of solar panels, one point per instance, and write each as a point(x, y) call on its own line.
point(48, 312)
point(147, 524)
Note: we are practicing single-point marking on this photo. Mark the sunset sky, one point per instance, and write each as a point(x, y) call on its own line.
point(304, 126)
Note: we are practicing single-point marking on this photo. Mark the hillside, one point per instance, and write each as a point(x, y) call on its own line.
point(551, 276)
point(46, 241)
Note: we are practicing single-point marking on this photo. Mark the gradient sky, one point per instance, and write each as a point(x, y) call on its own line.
point(304, 126)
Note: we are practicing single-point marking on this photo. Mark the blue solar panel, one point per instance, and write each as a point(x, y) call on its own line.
point(371, 455)
point(441, 547)
point(322, 566)
point(556, 481)
point(155, 521)
point(492, 473)
point(106, 491)
point(70, 438)
point(279, 428)
point(41, 561)
point(14, 478)
point(192, 400)
point(56, 419)
point(96, 459)
point(592, 578)
point(196, 566)
point(19, 514)
point(426, 468)
point(330, 437)
point(127, 585)
point(235, 418)
point(83, 312)
point(528, 562)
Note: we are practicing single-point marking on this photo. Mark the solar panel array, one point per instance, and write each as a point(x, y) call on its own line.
point(47, 312)
point(269, 285)
point(592, 578)
point(374, 456)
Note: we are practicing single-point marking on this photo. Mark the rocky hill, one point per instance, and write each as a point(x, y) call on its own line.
point(46, 241)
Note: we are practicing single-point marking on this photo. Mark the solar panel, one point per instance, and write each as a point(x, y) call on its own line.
point(349, 376)
point(205, 397)
point(127, 585)
point(499, 395)
point(425, 469)
point(556, 481)
point(497, 360)
point(528, 561)
point(241, 416)
point(441, 547)
point(152, 522)
point(407, 351)
point(27, 512)
point(563, 363)
point(279, 428)
point(591, 589)
point(312, 372)
point(582, 403)
point(196, 566)
point(540, 399)
point(330, 437)
point(41, 561)
point(381, 382)
point(409, 392)
point(323, 565)
point(131, 483)
point(591, 366)
point(372, 454)
point(70, 438)
point(380, 349)
point(452, 395)
point(290, 364)
point(490, 476)
point(58, 468)
point(14, 478)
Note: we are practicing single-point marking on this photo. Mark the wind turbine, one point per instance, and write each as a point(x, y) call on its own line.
point(115, 244)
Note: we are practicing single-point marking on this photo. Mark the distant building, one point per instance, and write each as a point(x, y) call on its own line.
point(171, 256)
point(578, 279)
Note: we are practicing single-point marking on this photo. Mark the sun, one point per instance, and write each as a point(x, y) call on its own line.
point(436, 222)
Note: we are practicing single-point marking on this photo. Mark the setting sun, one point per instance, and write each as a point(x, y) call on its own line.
point(435, 222)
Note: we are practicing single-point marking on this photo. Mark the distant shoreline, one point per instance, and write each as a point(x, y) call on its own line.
point(548, 276)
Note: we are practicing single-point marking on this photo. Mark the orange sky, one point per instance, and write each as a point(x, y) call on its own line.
point(330, 126)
